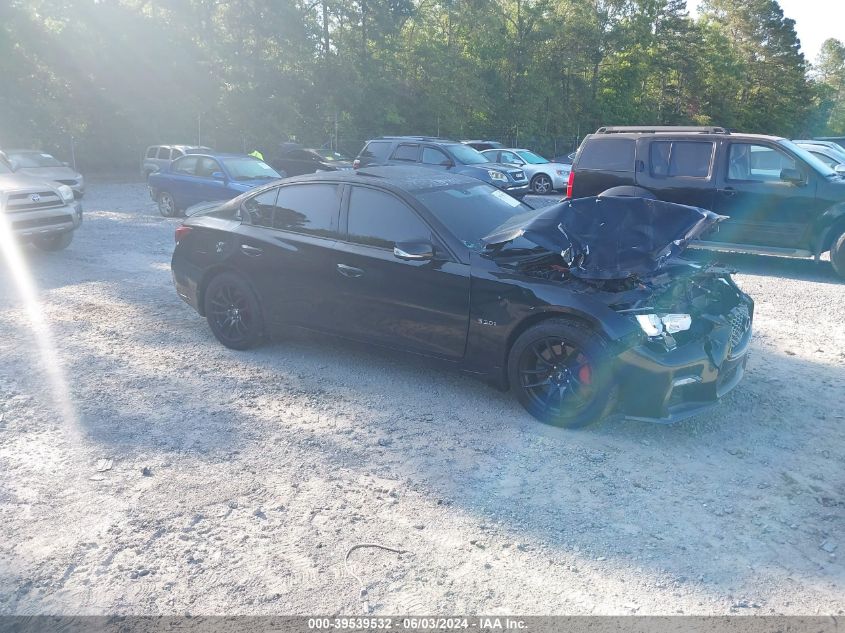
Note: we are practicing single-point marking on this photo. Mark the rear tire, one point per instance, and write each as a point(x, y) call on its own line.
point(561, 373)
point(233, 312)
point(837, 255)
point(166, 204)
point(53, 243)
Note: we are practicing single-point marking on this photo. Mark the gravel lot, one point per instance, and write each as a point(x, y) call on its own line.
point(236, 482)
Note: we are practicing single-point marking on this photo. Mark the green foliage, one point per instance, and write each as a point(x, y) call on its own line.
point(121, 74)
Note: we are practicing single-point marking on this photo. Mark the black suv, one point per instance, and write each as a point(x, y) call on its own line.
point(438, 153)
point(779, 198)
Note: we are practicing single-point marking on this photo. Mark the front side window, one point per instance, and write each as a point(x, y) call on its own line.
point(433, 156)
point(262, 207)
point(379, 219)
point(406, 152)
point(206, 167)
point(690, 159)
point(151, 152)
point(510, 157)
point(760, 163)
point(378, 150)
point(311, 209)
point(187, 165)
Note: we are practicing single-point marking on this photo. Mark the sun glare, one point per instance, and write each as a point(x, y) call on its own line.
point(18, 271)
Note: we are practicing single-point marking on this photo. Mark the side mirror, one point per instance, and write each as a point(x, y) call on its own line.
point(218, 175)
point(840, 169)
point(13, 164)
point(65, 164)
point(413, 251)
point(791, 175)
point(447, 163)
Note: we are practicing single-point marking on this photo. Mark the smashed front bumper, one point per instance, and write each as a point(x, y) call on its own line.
point(667, 385)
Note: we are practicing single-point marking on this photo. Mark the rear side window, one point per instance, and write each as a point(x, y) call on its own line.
point(187, 165)
point(151, 152)
point(164, 152)
point(406, 152)
point(310, 209)
point(376, 150)
point(690, 159)
point(608, 154)
point(380, 219)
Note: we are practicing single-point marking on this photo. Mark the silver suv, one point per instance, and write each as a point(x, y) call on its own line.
point(158, 157)
point(40, 212)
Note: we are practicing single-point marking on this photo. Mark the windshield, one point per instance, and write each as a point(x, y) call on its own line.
point(34, 159)
point(465, 155)
point(249, 169)
point(808, 158)
point(532, 158)
point(329, 155)
point(471, 211)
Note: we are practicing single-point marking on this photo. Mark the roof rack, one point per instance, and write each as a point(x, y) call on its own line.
point(650, 129)
point(420, 138)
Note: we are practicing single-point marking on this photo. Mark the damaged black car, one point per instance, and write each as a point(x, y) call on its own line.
point(584, 309)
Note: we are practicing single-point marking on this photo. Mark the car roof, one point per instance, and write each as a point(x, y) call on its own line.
point(400, 177)
point(735, 136)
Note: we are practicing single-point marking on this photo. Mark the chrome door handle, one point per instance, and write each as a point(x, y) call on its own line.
point(728, 191)
point(252, 251)
point(349, 271)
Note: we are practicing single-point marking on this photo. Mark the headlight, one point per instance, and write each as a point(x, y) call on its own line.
point(654, 325)
point(65, 192)
point(497, 175)
point(562, 172)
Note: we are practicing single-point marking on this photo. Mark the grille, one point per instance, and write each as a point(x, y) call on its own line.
point(17, 202)
point(518, 175)
point(740, 321)
point(31, 224)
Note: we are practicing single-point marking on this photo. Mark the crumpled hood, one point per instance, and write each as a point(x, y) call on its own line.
point(610, 237)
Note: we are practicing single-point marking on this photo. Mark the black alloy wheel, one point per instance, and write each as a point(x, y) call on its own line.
point(560, 373)
point(233, 312)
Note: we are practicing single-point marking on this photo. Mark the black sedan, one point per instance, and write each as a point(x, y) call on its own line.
point(583, 308)
point(296, 161)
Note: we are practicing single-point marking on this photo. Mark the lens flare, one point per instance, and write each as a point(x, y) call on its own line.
point(18, 272)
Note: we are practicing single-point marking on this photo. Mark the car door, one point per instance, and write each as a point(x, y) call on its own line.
point(182, 181)
point(678, 170)
point(286, 250)
point(764, 206)
point(211, 182)
point(422, 306)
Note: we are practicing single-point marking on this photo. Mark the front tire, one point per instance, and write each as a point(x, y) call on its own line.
point(837, 255)
point(53, 243)
point(233, 312)
point(561, 373)
point(166, 204)
point(541, 184)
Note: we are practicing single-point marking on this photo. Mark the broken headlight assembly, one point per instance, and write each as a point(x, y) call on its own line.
point(654, 325)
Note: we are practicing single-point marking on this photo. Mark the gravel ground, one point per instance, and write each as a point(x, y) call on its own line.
point(182, 477)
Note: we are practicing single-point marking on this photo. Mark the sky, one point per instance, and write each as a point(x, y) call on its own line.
point(815, 21)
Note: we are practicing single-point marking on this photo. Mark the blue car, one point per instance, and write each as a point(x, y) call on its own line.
point(196, 178)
